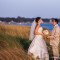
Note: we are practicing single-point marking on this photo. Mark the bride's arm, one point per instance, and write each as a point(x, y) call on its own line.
point(36, 31)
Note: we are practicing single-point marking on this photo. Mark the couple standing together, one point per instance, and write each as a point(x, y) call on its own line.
point(38, 47)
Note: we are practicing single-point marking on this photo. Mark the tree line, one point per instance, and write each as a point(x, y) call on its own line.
point(23, 19)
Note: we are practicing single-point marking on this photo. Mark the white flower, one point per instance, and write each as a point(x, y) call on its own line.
point(46, 32)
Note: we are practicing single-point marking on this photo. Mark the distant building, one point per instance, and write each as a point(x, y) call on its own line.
point(50, 21)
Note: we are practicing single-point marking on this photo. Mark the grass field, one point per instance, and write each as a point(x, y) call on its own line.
point(14, 42)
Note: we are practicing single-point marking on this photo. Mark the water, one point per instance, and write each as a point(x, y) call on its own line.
point(44, 25)
point(48, 26)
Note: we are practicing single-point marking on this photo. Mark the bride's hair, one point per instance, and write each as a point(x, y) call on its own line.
point(37, 19)
point(33, 26)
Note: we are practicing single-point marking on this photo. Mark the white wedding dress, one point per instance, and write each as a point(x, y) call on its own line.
point(38, 47)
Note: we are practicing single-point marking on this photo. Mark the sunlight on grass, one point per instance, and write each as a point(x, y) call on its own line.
point(14, 42)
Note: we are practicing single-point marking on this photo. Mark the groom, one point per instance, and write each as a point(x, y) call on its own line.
point(54, 39)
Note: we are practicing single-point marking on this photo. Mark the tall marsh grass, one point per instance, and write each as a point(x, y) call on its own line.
point(14, 42)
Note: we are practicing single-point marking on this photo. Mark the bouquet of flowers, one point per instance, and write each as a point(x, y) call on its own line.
point(46, 33)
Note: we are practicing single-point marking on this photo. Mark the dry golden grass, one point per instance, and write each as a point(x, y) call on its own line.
point(11, 49)
point(15, 30)
point(9, 53)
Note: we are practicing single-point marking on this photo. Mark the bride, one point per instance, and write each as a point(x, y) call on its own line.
point(38, 48)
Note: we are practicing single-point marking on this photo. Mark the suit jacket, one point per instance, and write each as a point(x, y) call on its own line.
point(54, 41)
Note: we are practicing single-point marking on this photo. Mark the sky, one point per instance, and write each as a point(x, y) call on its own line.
point(30, 8)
